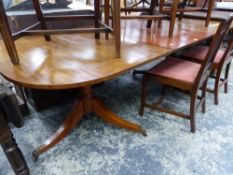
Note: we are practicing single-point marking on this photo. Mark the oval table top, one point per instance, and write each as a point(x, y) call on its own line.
point(78, 60)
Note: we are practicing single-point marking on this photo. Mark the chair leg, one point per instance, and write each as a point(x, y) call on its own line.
point(226, 77)
point(160, 11)
point(216, 87)
point(173, 17)
point(226, 87)
point(204, 96)
point(193, 111)
point(181, 16)
point(159, 23)
point(143, 94)
point(182, 7)
point(193, 121)
point(151, 11)
point(216, 100)
point(209, 12)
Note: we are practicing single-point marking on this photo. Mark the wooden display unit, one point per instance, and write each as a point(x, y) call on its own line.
point(10, 113)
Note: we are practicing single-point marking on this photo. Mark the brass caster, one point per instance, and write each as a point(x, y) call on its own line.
point(35, 156)
point(144, 133)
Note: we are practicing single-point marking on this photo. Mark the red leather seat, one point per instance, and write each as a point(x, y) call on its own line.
point(198, 54)
point(176, 72)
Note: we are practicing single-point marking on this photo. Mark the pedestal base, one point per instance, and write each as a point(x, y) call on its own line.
point(88, 103)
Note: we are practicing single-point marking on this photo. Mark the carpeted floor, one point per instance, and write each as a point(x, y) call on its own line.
point(97, 148)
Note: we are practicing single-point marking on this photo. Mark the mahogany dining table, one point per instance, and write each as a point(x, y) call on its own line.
point(80, 61)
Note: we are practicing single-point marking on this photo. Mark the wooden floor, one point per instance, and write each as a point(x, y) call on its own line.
point(70, 61)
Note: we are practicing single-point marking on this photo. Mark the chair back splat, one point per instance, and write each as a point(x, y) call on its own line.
point(40, 17)
point(212, 51)
point(99, 26)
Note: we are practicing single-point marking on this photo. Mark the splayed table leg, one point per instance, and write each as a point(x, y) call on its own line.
point(88, 103)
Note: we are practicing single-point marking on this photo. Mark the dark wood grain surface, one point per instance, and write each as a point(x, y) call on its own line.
point(70, 61)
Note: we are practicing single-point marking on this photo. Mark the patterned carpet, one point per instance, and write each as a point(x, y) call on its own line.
point(97, 148)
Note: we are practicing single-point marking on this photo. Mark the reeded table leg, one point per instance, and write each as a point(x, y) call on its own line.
point(15, 157)
point(85, 105)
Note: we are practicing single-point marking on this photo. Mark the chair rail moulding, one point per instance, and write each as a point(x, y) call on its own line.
point(99, 26)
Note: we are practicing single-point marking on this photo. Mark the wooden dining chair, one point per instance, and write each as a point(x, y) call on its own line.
point(181, 7)
point(184, 75)
point(222, 61)
point(138, 6)
point(99, 27)
point(147, 13)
